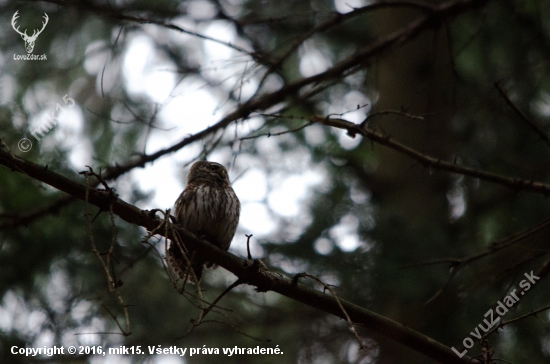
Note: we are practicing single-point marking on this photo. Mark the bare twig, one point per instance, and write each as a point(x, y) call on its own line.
point(427, 161)
point(519, 318)
point(213, 304)
point(327, 287)
point(458, 264)
point(237, 330)
point(112, 286)
point(248, 246)
point(541, 133)
point(269, 134)
point(390, 112)
point(123, 332)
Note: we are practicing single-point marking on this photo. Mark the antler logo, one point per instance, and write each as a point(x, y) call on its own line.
point(29, 41)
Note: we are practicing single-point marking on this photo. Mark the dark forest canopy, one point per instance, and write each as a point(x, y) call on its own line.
point(391, 160)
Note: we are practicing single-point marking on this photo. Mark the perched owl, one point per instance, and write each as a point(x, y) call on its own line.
point(208, 207)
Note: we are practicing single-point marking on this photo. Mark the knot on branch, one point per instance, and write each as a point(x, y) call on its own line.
point(256, 269)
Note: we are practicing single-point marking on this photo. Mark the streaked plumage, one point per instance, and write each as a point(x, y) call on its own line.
point(208, 207)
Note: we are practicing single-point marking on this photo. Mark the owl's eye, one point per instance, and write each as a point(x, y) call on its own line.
point(219, 170)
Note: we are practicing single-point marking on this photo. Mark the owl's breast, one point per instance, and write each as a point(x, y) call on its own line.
point(211, 211)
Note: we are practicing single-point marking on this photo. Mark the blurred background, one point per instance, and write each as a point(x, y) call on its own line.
point(124, 78)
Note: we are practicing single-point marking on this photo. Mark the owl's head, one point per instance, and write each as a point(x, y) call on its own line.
point(208, 171)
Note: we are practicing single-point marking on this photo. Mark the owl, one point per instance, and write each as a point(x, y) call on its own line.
point(209, 208)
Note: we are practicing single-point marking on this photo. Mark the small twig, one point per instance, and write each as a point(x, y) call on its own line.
point(291, 117)
point(125, 333)
point(389, 112)
point(110, 253)
point(98, 176)
point(327, 287)
point(131, 263)
point(4, 145)
point(112, 284)
point(522, 116)
point(348, 111)
point(248, 245)
point(487, 354)
point(200, 320)
point(189, 270)
point(213, 304)
point(145, 240)
point(458, 264)
point(453, 262)
point(440, 291)
point(519, 318)
point(268, 134)
point(107, 60)
point(188, 295)
point(234, 328)
point(101, 333)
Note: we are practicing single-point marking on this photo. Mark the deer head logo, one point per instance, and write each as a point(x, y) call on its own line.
point(29, 41)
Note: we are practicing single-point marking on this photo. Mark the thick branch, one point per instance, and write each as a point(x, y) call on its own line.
point(256, 275)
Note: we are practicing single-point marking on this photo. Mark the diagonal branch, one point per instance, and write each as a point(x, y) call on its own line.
point(24, 219)
point(327, 288)
point(541, 133)
point(256, 275)
point(335, 20)
point(517, 184)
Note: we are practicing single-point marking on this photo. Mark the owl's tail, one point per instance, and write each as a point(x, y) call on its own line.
point(180, 265)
